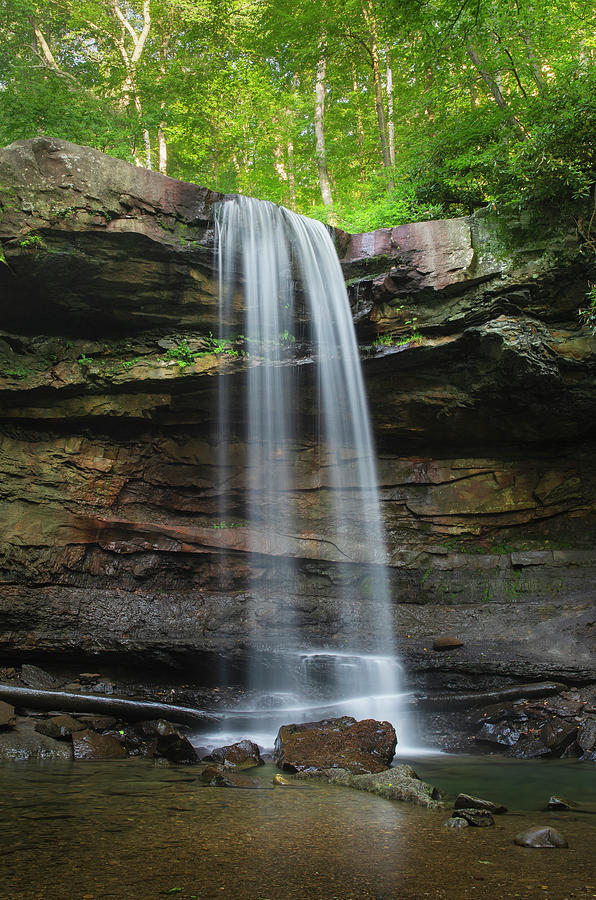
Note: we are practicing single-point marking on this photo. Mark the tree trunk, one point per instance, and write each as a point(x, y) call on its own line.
point(535, 66)
point(162, 147)
point(292, 174)
point(390, 121)
point(360, 125)
point(369, 16)
point(320, 151)
point(495, 89)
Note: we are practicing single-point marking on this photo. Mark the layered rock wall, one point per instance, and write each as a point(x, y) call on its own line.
point(482, 399)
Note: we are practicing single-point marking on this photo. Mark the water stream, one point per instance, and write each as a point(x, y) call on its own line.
point(285, 270)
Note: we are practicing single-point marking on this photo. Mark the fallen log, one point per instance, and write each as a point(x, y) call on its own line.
point(128, 710)
point(484, 698)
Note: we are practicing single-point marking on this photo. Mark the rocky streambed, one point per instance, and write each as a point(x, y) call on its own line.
point(42, 710)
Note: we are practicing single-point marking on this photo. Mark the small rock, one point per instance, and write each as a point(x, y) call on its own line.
point(155, 728)
point(73, 686)
point(279, 779)
point(456, 823)
point(242, 755)
point(447, 642)
point(86, 677)
point(480, 818)
point(501, 733)
point(103, 687)
point(219, 776)
point(560, 803)
point(59, 727)
point(89, 745)
point(539, 837)
point(37, 678)
point(466, 801)
point(586, 737)
point(8, 718)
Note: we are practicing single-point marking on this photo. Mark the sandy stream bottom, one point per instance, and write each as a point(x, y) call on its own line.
point(89, 831)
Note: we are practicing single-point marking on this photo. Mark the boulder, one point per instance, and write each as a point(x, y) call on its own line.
point(159, 737)
point(34, 677)
point(89, 745)
point(362, 747)
point(502, 734)
point(398, 783)
point(586, 736)
point(59, 727)
point(176, 748)
point(541, 837)
point(7, 715)
point(480, 818)
point(241, 755)
point(466, 801)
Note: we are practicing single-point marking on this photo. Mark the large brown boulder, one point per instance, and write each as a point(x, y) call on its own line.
point(361, 747)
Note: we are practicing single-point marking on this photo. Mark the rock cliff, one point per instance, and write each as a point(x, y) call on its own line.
point(482, 393)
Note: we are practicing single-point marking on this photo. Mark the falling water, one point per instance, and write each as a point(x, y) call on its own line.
point(288, 273)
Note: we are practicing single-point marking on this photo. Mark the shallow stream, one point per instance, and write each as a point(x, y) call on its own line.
point(85, 831)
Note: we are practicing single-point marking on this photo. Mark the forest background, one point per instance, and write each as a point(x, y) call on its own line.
point(362, 113)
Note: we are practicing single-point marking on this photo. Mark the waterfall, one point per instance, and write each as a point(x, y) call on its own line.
point(283, 270)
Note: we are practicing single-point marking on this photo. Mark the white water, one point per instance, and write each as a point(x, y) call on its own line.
point(287, 269)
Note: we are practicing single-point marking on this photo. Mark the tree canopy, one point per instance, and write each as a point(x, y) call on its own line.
point(362, 112)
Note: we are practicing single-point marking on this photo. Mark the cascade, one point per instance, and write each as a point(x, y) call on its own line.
point(283, 270)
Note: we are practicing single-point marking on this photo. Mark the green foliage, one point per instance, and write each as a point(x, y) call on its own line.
point(31, 242)
point(383, 340)
point(588, 314)
point(18, 372)
point(182, 354)
point(84, 361)
point(130, 363)
point(493, 101)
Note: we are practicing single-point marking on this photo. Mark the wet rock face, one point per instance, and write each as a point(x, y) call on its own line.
point(360, 748)
point(112, 538)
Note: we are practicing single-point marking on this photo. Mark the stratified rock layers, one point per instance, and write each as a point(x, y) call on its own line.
point(484, 406)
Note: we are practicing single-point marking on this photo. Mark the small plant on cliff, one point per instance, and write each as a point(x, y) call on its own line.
point(182, 354)
point(588, 314)
point(390, 340)
point(130, 363)
point(383, 340)
point(220, 345)
point(31, 242)
point(84, 361)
